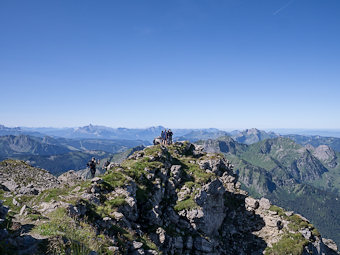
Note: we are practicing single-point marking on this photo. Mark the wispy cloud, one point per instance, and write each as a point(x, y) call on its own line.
point(283, 7)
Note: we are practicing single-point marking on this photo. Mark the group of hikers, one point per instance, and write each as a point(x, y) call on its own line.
point(166, 137)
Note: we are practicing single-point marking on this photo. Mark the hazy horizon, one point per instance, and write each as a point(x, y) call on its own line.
point(144, 127)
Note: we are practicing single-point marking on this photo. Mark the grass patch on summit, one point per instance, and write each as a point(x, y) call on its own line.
point(279, 211)
point(136, 168)
point(185, 204)
point(115, 178)
point(80, 234)
point(289, 244)
point(200, 175)
point(110, 206)
point(153, 150)
point(52, 194)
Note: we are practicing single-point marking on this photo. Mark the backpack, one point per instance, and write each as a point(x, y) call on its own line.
point(91, 164)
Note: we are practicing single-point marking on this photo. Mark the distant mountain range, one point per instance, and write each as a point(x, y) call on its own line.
point(295, 171)
point(13, 145)
point(37, 144)
point(61, 154)
point(305, 179)
point(247, 136)
point(308, 132)
point(317, 140)
point(90, 131)
point(196, 135)
point(17, 131)
point(102, 132)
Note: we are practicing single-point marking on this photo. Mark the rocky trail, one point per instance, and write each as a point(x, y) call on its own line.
point(161, 200)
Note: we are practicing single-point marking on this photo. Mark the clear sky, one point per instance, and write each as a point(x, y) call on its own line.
point(186, 63)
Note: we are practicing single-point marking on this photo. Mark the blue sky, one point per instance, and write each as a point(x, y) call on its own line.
point(190, 64)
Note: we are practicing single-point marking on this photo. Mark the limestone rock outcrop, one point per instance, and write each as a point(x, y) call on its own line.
point(21, 178)
point(164, 200)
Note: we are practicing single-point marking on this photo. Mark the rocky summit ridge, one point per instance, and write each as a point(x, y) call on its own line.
point(19, 177)
point(161, 200)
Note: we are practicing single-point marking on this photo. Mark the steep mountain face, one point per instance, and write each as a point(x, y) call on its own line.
point(284, 154)
point(162, 200)
point(325, 154)
point(280, 155)
point(296, 177)
point(255, 179)
point(253, 135)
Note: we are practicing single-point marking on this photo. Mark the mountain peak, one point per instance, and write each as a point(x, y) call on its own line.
point(252, 131)
point(172, 200)
point(253, 135)
point(325, 154)
point(4, 128)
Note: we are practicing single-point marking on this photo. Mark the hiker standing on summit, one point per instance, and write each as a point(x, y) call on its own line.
point(169, 137)
point(163, 136)
point(92, 165)
point(166, 137)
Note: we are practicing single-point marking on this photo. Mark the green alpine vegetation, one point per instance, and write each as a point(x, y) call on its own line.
point(173, 199)
point(305, 179)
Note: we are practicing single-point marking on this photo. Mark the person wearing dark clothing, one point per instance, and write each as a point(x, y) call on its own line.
point(106, 165)
point(163, 135)
point(92, 165)
point(169, 137)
